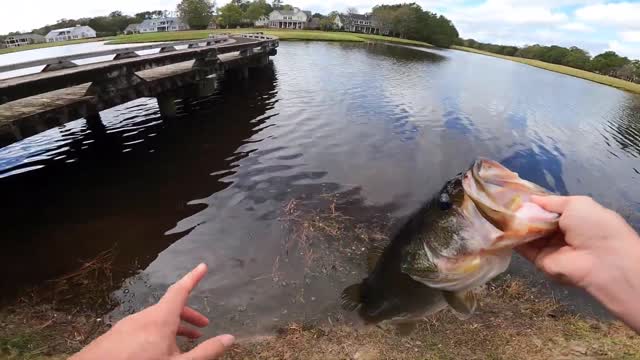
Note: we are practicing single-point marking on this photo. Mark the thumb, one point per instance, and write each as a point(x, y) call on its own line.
point(210, 349)
point(552, 203)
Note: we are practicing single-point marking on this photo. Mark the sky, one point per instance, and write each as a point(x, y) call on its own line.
point(595, 25)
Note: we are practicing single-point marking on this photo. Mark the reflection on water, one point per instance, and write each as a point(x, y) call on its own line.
point(383, 124)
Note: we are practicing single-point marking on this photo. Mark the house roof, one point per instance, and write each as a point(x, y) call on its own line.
point(70, 29)
point(26, 36)
point(356, 16)
point(170, 20)
point(293, 12)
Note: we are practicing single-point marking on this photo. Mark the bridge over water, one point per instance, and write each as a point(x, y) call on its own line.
point(65, 91)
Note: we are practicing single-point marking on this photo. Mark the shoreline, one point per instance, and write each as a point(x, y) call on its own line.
point(514, 321)
point(282, 34)
point(332, 36)
point(561, 69)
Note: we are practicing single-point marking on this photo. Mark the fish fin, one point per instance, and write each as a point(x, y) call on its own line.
point(406, 328)
point(350, 299)
point(464, 304)
point(373, 255)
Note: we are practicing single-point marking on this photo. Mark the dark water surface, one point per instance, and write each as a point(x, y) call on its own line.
point(383, 125)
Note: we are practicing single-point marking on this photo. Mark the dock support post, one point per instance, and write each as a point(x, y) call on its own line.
point(244, 73)
point(167, 104)
point(94, 123)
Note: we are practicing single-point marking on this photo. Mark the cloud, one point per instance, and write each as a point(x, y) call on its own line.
point(623, 48)
point(576, 26)
point(631, 36)
point(503, 11)
point(623, 14)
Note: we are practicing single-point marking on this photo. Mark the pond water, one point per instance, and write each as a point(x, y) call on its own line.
point(378, 127)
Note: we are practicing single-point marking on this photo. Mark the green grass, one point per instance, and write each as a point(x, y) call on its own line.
point(284, 35)
point(587, 75)
point(53, 44)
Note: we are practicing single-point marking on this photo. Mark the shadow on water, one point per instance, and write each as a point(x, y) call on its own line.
point(64, 212)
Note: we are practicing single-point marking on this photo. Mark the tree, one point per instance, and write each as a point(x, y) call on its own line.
point(141, 16)
point(276, 4)
point(115, 14)
point(230, 15)
point(318, 15)
point(577, 58)
point(257, 9)
point(608, 62)
point(196, 13)
point(327, 22)
point(352, 11)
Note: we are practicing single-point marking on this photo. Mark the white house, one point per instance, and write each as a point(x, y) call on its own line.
point(263, 21)
point(132, 29)
point(73, 33)
point(162, 24)
point(356, 23)
point(23, 39)
point(289, 19)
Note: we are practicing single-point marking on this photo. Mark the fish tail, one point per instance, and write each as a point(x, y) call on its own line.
point(351, 298)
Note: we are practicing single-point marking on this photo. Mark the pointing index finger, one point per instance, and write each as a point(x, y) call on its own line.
point(176, 296)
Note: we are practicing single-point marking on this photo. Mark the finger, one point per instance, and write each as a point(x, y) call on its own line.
point(193, 317)
point(185, 331)
point(552, 203)
point(176, 296)
point(561, 262)
point(528, 251)
point(210, 349)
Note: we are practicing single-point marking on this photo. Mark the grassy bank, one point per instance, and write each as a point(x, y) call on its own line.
point(47, 45)
point(512, 323)
point(284, 35)
point(587, 75)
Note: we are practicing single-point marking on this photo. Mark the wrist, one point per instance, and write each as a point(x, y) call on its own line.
point(616, 282)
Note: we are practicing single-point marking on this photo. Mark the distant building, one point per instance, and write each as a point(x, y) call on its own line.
point(356, 23)
point(314, 24)
point(162, 24)
point(213, 24)
point(289, 19)
point(23, 39)
point(263, 21)
point(132, 29)
point(73, 33)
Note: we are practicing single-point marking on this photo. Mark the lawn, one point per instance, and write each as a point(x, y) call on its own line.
point(52, 44)
point(284, 35)
point(587, 75)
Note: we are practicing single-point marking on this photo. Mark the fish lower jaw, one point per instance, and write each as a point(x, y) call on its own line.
point(487, 269)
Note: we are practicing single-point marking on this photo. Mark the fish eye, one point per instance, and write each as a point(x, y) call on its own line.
point(444, 201)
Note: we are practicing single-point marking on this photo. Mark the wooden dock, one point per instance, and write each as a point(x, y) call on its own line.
point(64, 91)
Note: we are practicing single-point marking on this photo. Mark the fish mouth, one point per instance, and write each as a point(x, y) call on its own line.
point(503, 199)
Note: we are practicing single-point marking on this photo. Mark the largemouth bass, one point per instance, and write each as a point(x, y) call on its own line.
point(457, 242)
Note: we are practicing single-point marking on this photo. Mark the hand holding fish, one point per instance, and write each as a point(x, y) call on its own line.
point(596, 250)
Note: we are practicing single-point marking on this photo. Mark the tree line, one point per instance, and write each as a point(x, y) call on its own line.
point(410, 21)
point(608, 63)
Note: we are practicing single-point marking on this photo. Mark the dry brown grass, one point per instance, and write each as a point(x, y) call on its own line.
point(60, 316)
point(513, 323)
